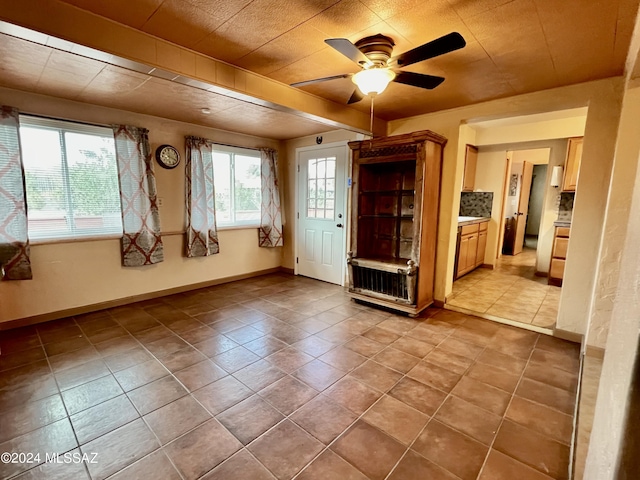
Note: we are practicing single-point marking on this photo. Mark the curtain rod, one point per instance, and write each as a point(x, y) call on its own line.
point(102, 125)
point(234, 146)
point(213, 142)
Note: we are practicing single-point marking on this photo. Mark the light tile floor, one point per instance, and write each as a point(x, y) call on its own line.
point(510, 291)
point(284, 377)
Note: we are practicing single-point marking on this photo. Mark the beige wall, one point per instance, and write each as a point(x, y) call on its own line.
point(618, 213)
point(69, 275)
point(620, 366)
point(536, 156)
point(534, 128)
point(579, 288)
point(603, 98)
point(490, 173)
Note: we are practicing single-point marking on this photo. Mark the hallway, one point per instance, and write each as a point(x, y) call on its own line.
point(511, 292)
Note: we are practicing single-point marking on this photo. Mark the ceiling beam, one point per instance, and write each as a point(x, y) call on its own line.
point(121, 45)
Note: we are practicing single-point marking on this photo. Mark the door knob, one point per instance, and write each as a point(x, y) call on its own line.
point(339, 225)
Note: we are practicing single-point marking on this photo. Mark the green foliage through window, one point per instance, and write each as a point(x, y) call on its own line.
point(71, 179)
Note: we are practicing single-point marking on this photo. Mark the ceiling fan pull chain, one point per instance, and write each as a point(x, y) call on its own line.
point(371, 120)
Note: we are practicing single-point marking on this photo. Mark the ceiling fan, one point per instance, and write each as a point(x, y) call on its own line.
point(373, 55)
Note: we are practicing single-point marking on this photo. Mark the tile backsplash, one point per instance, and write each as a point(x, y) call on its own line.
point(565, 208)
point(476, 204)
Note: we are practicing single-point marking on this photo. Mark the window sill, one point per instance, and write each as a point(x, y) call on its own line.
point(94, 238)
point(239, 227)
point(38, 242)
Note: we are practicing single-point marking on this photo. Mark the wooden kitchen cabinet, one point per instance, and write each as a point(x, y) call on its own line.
point(472, 253)
point(482, 244)
point(558, 255)
point(470, 165)
point(471, 247)
point(394, 218)
point(463, 251)
point(572, 164)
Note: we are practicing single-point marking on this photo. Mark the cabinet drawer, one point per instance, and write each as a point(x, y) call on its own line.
point(557, 268)
point(483, 226)
point(562, 231)
point(467, 229)
point(560, 245)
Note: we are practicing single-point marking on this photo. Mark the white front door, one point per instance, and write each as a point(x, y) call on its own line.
point(321, 213)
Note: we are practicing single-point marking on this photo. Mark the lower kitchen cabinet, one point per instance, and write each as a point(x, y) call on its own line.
point(472, 243)
point(482, 244)
point(558, 255)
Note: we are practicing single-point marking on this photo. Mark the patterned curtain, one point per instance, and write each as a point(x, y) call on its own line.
point(14, 241)
point(202, 234)
point(141, 240)
point(270, 231)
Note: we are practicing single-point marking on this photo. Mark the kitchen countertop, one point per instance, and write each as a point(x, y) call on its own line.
point(462, 221)
point(562, 223)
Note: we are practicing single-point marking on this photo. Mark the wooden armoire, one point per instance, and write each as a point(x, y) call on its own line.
point(394, 220)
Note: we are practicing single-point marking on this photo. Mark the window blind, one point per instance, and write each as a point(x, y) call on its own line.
point(71, 179)
point(237, 185)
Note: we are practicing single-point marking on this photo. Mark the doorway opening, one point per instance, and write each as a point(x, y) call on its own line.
point(515, 289)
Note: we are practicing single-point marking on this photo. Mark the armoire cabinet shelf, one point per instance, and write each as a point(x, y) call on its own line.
point(395, 193)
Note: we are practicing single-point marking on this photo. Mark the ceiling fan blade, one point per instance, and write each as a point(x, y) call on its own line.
point(439, 46)
point(418, 80)
point(318, 80)
point(356, 96)
point(349, 50)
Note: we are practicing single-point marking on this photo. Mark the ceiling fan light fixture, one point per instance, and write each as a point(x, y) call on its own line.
point(373, 81)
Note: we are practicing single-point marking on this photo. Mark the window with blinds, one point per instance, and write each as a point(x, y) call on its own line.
point(71, 179)
point(238, 186)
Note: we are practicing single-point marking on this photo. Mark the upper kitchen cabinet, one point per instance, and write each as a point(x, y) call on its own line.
point(572, 165)
point(470, 163)
point(394, 220)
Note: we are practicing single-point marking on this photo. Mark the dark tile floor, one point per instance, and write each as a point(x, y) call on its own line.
point(282, 376)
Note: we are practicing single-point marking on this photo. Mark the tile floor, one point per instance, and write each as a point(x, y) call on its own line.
point(511, 291)
point(283, 377)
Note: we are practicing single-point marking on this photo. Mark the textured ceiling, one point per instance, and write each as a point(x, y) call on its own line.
point(46, 70)
point(513, 47)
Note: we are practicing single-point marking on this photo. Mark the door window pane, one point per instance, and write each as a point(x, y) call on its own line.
point(321, 187)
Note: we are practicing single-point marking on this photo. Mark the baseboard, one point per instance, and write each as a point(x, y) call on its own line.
point(556, 282)
point(505, 321)
point(46, 317)
point(488, 265)
point(290, 271)
point(594, 352)
point(541, 274)
point(568, 335)
point(438, 303)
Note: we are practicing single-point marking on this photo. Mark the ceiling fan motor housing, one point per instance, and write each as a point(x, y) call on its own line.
point(377, 48)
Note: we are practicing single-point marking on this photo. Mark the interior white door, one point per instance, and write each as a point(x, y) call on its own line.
point(321, 214)
point(523, 206)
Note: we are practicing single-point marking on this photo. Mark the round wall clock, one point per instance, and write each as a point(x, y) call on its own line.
point(167, 156)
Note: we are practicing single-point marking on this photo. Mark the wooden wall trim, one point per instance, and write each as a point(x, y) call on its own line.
point(594, 352)
point(567, 335)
